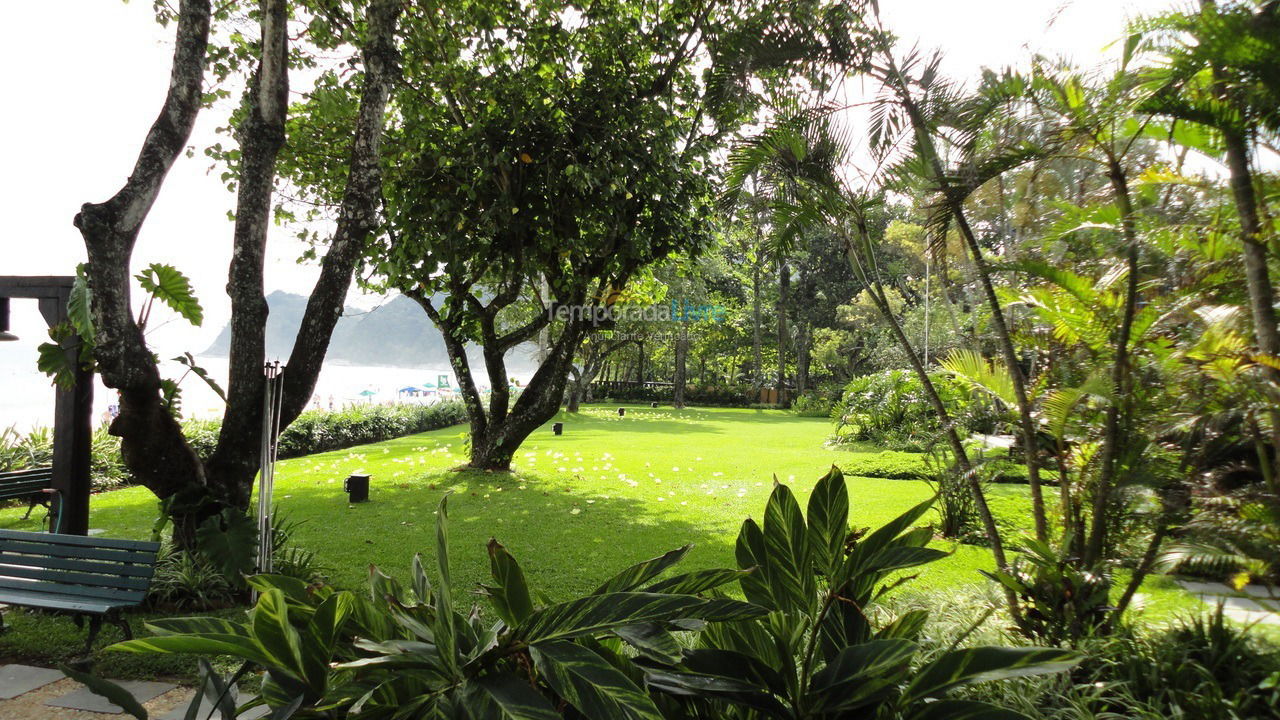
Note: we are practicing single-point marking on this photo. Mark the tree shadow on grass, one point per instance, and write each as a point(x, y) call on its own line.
point(567, 540)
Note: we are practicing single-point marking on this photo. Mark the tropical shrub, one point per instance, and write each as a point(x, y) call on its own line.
point(1061, 602)
point(35, 449)
point(813, 404)
point(890, 409)
point(803, 645)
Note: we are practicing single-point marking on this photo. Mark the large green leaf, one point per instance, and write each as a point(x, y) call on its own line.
point(982, 664)
point(233, 645)
point(652, 641)
point(829, 520)
point(861, 674)
point(511, 697)
point(274, 633)
point(510, 592)
point(787, 554)
point(230, 541)
point(109, 690)
point(698, 581)
point(593, 686)
point(751, 556)
point(716, 688)
point(599, 613)
point(443, 629)
point(641, 573)
point(78, 307)
point(168, 285)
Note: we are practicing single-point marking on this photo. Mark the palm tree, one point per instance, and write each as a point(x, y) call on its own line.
point(1221, 69)
point(902, 111)
point(806, 155)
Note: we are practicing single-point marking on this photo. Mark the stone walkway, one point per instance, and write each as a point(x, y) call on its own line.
point(1242, 606)
point(34, 693)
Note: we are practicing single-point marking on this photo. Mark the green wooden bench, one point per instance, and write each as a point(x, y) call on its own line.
point(89, 577)
point(35, 485)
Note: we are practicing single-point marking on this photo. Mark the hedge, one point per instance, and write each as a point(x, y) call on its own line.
point(314, 431)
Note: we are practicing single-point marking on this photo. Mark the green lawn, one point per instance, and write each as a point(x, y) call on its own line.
point(609, 492)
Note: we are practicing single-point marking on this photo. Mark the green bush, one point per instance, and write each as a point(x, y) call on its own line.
point(711, 395)
point(314, 431)
point(813, 405)
point(35, 449)
point(890, 409)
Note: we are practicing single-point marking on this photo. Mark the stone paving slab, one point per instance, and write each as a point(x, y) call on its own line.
point(1240, 607)
point(84, 699)
point(18, 679)
point(179, 712)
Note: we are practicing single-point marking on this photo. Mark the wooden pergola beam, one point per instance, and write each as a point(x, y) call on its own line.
point(72, 409)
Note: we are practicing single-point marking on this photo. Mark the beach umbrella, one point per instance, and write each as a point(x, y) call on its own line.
point(428, 385)
point(410, 389)
point(367, 393)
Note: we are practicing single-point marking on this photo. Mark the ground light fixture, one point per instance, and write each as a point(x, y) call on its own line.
point(357, 488)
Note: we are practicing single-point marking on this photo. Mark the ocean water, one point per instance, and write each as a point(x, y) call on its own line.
point(26, 395)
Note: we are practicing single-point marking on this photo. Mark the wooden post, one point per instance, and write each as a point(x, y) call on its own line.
point(72, 433)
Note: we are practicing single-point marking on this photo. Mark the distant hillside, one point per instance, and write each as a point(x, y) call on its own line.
point(395, 334)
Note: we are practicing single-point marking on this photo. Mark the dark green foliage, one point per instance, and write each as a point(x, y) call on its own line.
point(711, 395)
point(818, 654)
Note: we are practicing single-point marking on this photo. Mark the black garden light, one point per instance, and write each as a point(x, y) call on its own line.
point(357, 488)
point(558, 428)
point(622, 412)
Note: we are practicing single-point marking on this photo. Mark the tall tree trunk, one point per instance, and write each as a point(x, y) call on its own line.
point(757, 352)
point(681, 357)
point(261, 135)
point(803, 337)
point(784, 284)
point(152, 444)
point(1116, 415)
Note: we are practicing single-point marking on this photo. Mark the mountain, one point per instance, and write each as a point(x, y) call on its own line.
point(397, 333)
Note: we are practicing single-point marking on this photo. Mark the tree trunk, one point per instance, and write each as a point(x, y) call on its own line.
point(784, 284)
point(682, 352)
point(261, 135)
point(757, 353)
point(803, 337)
point(152, 445)
point(1116, 414)
point(1257, 275)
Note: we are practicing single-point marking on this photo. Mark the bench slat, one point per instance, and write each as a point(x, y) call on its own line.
point(27, 473)
point(58, 563)
point(127, 597)
point(79, 541)
point(72, 577)
point(67, 551)
point(70, 603)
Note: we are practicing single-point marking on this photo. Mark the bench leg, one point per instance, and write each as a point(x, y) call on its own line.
point(121, 622)
point(95, 626)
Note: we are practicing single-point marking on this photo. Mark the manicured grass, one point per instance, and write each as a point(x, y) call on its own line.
point(609, 492)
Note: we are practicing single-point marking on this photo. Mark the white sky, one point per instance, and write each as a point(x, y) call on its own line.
point(86, 78)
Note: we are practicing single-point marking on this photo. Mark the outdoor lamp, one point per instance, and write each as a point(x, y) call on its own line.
point(4, 321)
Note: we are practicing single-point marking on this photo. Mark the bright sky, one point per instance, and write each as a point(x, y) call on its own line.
point(87, 78)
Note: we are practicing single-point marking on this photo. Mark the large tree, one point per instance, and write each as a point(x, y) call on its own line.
point(152, 442)
point(547, 154)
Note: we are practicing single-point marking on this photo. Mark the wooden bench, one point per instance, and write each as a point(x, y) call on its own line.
point(89, 577)
point(35, 485)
